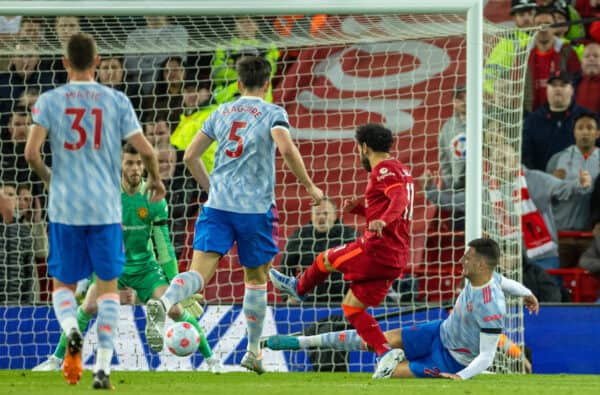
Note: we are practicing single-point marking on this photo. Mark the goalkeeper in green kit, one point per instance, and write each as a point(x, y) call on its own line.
point(144, 227)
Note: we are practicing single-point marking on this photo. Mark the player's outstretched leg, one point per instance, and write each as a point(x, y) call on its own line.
point(286, 284)
point(72, 366)
point(347, 340)
point(182, 286)
point(387, 363)
point(315, 274)
point(282, 342)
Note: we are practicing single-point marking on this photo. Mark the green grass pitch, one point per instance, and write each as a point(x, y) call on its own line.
point(178, 383)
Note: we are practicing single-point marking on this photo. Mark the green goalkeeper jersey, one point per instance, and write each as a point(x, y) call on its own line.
point(143, 223)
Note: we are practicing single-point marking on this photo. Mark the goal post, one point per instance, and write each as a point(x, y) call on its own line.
point(381, 61)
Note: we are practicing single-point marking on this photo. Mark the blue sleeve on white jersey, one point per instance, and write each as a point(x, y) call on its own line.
point(41, 112)
point(129, 120)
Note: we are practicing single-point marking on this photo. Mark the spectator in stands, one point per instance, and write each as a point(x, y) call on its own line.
point(590, 259)
point(536, 190)
point(30, 212)
point(451, 144)
point(587, 83)
point(546, 57)
point(444, 199)
point(9, 30)
point(6, 207)
point(14, 167)
point(543, 285)
point(111, 72)
point(158, 32)
point(595, 207)
point(590, 9)
point(168, 92)
point(31, 30)
point(574, 214)
point(561, 15)
point(568, 13)
point(244, 42)
point(25, 71)
point(182, 195)
point(157, 127)
point(324, 231)
point(537, 221)
point(28, 98)
point(16, 258)
point(64, 28)
point(501, 58)
point(549, 129)
point(195, 97)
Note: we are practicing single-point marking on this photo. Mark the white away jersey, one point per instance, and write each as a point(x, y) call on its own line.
point(86, 123)
point(475, 309)
point(243, 178)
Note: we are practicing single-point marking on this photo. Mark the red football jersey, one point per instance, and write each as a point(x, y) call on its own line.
point(389, 197)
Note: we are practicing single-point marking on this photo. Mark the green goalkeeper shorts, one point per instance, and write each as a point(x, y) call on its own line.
point(144, 283)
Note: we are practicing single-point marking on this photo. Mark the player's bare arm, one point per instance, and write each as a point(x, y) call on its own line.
point(153, 184)
point(193, 159)
point(294, 162)
point(35, 140)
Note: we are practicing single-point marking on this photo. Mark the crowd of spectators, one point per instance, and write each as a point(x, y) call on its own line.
point(166, 89)
point(558, 189)
point(174, 92)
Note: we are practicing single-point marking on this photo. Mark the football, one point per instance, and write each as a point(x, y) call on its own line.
point(182, 339)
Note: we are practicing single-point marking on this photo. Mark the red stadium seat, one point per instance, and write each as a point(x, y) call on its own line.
point(582, 285)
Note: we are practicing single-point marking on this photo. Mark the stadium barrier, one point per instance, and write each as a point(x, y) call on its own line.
point(563, 339)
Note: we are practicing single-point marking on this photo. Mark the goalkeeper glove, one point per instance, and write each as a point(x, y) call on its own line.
point(192, 305)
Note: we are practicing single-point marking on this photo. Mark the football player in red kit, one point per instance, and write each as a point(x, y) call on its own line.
point(372, 262)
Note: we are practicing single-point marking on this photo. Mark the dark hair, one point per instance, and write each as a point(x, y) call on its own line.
point(545, 10)
point(19, 110)
point(129, 149)
point(253, 71)
point(586, 114)
point(157, 113)
point(488, 249)
point(109, 56)
point(330, 201)
point(25, 186)
point(4, 184)
point(376, 136)
point(81, 51)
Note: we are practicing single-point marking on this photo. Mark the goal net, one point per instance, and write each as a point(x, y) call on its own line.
point(331, 73)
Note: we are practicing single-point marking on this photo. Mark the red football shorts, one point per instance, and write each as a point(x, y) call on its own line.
point(369, 280)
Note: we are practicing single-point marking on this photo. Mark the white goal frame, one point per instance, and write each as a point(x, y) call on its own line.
point(472, 8)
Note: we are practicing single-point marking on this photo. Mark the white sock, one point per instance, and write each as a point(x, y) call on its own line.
point(103, 359)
